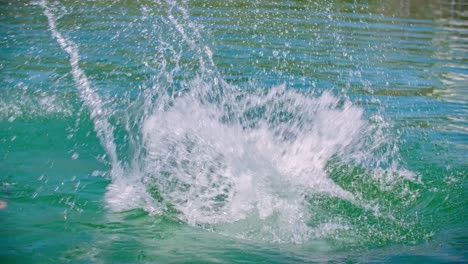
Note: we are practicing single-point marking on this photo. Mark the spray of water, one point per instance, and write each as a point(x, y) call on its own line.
point(99, 115)
point(243, 162)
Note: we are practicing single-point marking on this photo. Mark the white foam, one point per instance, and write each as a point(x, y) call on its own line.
point(216, 172)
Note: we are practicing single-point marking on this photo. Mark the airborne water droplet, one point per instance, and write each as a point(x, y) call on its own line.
point(75, 156)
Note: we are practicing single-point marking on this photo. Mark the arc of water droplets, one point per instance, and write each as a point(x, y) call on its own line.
point(205, 54)
point(89, 96)
point(205, 50)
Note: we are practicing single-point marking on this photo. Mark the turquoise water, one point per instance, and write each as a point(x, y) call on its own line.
point(233, 132)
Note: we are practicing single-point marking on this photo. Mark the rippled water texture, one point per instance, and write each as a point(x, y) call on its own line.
point(233, 131)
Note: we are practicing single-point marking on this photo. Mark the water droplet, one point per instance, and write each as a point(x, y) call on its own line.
point(75, 156)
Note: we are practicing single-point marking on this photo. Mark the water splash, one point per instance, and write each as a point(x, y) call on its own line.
point(87, 93)
point(212, 171)
point(243, 162)
point(99, 114)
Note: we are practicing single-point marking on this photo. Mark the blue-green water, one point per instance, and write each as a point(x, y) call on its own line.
point(233, 132)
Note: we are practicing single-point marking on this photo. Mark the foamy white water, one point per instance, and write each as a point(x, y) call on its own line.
point(214, 172)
